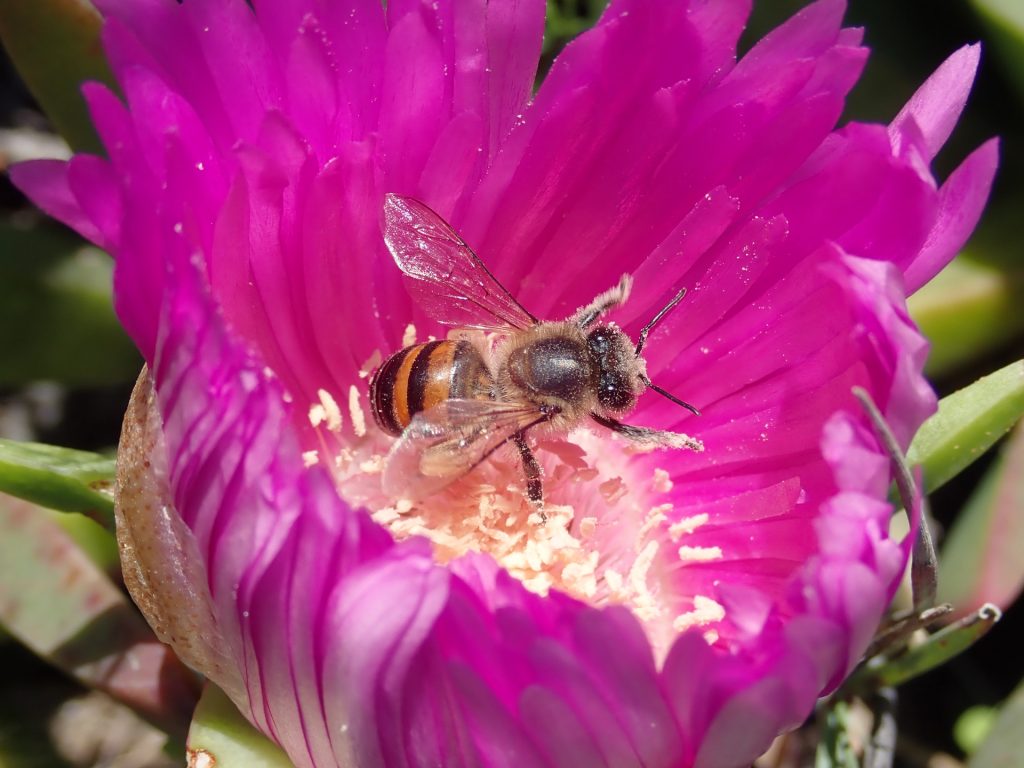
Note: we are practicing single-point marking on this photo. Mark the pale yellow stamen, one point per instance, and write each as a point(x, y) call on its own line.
point(327, 411)
point(655, 518)
point(372, 362)
point(317, 415)
point(597, 540)
point(686, 526)
point(662, 481)
point(705, 611)
point(699, 554)
point(356, 412)
point(409, 337)
point(310, 458)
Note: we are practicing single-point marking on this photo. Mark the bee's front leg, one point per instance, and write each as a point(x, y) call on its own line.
point(532, 468)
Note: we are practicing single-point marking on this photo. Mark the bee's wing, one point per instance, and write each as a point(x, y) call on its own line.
point(447, 441)
point(448, 280)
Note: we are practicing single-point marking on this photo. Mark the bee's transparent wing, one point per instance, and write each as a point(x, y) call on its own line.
point(448, 280)
point(447, 441)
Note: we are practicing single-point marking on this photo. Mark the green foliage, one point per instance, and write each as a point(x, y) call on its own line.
point(59, 478)
point(1005, 21)
point(55, 46)
point(967, 424)
point(56, 316)
point(969, 310)
point(1004, 744)
point(57, 602)
point(983, 555)
point(973, 727)
point(899, 667)
point(229, 738)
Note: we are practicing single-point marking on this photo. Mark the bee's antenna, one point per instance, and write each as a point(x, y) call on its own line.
point(651, 385)
point(642, 338)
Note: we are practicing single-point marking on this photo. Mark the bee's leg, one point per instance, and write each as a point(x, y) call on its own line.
point(645, 436)
point(534, 486)
point(606, 301)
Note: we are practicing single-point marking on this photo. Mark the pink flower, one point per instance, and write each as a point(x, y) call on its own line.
point(681, 608)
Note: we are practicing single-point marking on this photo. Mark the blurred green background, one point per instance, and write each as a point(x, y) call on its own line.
point(66, 369)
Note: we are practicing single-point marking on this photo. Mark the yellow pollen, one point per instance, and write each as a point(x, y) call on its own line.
point(687, 525)
point(655, 518)
point(317, 415)
point(662, 481)
point(409, 337)
point(600, 538)
point(371, 362)
point(356, 412)
point(310, 458)
point(700, 554)
point(373, 465)
point(705, 611)
point(330, 412)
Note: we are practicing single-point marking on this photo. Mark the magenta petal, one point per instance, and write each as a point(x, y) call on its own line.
point(936, 106)
point(514, 35)
point(241, 201)
point(99, 196)
point(412, 101)
point(254, 509)
point(47, 183)
point(961, 201)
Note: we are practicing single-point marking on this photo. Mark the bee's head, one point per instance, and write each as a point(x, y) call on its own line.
point(619, 371)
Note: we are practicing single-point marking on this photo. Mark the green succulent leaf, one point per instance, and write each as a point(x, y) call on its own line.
point(220, 731)
point(58, 603)
point(56, 314)
point(983, 555)
point(1004, 745)
point(937, 649)
point(968, 310)
point(59, 478)
point(55, 46)
point(968, 422)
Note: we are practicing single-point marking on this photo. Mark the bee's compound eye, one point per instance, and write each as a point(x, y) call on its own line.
point(614, 392)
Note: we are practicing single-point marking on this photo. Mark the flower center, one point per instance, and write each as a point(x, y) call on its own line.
point(609, 537)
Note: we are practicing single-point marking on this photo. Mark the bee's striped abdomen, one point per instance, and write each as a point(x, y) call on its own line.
point(421, 376)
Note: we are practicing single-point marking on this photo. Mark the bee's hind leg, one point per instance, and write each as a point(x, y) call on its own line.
point(534, 486)
point(604, 302)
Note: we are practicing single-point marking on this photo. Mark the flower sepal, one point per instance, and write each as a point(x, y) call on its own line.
point(162, 568)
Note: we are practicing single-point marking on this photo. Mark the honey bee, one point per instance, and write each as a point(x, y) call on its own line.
point(454, 402)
